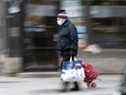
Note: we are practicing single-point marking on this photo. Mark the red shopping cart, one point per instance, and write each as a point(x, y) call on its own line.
point(91, 74)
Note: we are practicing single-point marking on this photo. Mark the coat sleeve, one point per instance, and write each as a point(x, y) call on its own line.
point(73, 36)
point(61, 32)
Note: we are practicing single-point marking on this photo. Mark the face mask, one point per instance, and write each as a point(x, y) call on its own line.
point(60, 22)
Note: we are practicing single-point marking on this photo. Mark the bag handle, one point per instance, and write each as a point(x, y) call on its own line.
point(73, 58)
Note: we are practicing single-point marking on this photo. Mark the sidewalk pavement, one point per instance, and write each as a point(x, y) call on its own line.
point(37, 84)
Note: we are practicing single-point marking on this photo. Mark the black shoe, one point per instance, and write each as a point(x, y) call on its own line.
point(76, 87)
point(65, 86)
point(123, 94)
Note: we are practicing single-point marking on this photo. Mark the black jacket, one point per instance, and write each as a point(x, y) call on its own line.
point(68, 39)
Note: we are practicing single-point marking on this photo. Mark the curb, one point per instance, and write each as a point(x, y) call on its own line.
point(57, 74)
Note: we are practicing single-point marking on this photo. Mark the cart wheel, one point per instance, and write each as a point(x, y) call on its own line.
point(93, 85)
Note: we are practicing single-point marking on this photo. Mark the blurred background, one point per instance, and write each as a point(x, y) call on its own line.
point(28, 28)
point(27, 44)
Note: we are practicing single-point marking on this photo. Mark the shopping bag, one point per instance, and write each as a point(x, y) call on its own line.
point(67, 65)
point(72, 71)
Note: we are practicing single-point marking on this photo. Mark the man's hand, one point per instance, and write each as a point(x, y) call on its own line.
point(93, 49)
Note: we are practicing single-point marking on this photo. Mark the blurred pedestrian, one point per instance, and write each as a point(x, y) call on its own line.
point(68, 40)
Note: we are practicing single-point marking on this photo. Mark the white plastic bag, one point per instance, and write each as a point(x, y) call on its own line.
point(72, 70)
point(73, 75)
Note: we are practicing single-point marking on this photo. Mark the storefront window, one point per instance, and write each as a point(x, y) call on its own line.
point(101, 2)
point(41, 19)
point(39, 28)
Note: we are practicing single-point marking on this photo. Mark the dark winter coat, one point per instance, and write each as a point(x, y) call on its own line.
point(68, 39)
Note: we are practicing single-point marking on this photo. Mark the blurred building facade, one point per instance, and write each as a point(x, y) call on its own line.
point(108, 23)
point(3, 30)
point(28, 27)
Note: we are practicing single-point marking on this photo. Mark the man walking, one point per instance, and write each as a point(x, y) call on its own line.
point(68, 40)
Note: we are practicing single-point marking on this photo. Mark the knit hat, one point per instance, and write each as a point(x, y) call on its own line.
point(62, 14)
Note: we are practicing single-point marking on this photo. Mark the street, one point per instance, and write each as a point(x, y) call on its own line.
point(106, 85)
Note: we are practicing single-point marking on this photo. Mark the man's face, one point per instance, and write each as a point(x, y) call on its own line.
point(60, 21)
